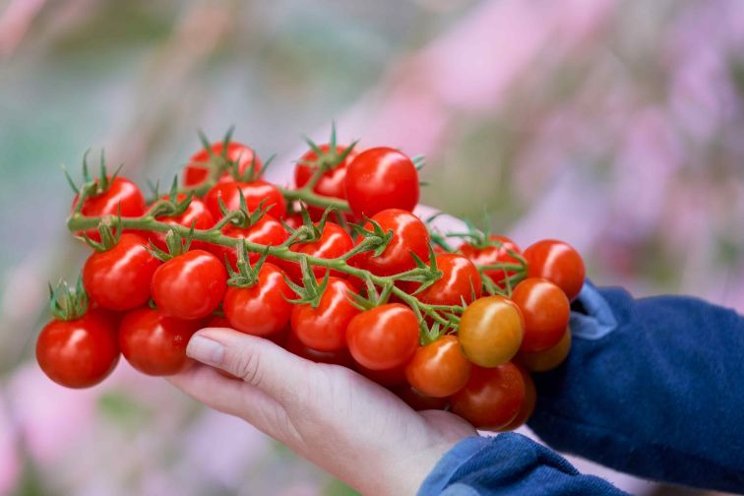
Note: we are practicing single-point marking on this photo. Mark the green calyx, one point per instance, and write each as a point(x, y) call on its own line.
point(67, 303)
point(246, 275)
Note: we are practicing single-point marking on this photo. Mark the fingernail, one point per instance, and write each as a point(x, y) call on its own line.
point(205, 350)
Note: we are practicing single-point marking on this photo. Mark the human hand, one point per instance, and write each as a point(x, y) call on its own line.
point(344, 423)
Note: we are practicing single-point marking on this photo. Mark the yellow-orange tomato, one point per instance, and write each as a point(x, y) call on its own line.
point(439, 369)
point(491, 331)
point(542, 361)
point(528, 405)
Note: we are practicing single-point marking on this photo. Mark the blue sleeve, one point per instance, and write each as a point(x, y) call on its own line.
point(509, 464)
point(653, 387)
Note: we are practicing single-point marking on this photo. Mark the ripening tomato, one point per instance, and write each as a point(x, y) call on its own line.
point(120, 197)
point(78, 353)
point(196, 215)
point(460, 281)
point(203, 162)
point(119, 278)
point(334, 242)
point(528, 405)
point(267, 231)
point(381, 178)
point(418, 401)
point(492, 397)
point(331, 183)
point(154, 343)
point(189, 286)
point(439, 369)
point(323, 328)
point(410, 236)
point(542, 361)
point(545, 310)
point(338, 357)
point(384, 337)
point(262, 309)
point(497, 252)
point(257, 193)
point(559, 263)
point(491, 330)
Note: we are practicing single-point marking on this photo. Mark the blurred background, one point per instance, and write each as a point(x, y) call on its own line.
point(613, 124)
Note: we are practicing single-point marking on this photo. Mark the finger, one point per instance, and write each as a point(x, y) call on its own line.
point(257, 361)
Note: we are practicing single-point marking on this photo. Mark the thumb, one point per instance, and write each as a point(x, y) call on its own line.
point(257, 361)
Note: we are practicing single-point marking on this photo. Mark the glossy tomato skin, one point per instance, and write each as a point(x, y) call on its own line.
point(528, 405)
point(119, 279)
point(549, 359)
point(196, 215)
point(559, 263)
point(254, 192)
point(121, 197)
point(155, 344)
point(492, 255)
point(338, 357)
point(384, 337)
point(324, 328)
point(491, 331)
point(545, 309)
point(197, 171)
point(334, 242)
point(492, 397)
point(262, 309)
point(410, 235)
point(331, 183)
point(439, 369)
point(78, 353)
point(460, 281)
point(189, 286)
point(381, 178)
point(267, 231)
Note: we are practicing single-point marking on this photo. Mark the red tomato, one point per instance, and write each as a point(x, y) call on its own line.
point(545, 309)
point(492, 255)
point(254, 192)
point(492, 397)
point(189, 286)
point(439, 369)
point(196, 215)
point(381, 178)
point(331, 183)
point(201, 163)
point(324, 328)
point(78, 353)
point(338, 357)
point(334, 242)
point(218, 321)
point(121, 196)
point(418, 401)
point(409, 236)
point(528, 405)
point(559, 263)
point(389, 378)
point(383, 337)
point(261, 309)
point(153, 343)
point(460, 281)
point(267, 231)
point(119, 278)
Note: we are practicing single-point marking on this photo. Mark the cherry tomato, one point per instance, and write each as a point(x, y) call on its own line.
point(545, 310)
point(334, 242)
point(189, 286)
point(389, 378)
point(262, 309)
point(202, 162)
point(196, 215)
point(119, 278)
point(410, 235)
point(418, 401)
point(154, 343)
point(528, 405)
point(267, 231)
point(460, 281)
point(218, 321)
point(542, 361)
point(323, 328)
point(496, 253)
point(492, 397)
point(439, 369)
point(331, 183)
point(384, 337)
point(381, 178)
point(338, 357)
point(78, 353)
point(491, 330)
point(559, 263)
point(121, 196)
point(255, 193)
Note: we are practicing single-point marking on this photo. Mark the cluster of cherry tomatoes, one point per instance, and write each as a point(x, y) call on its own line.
point(336, 269)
